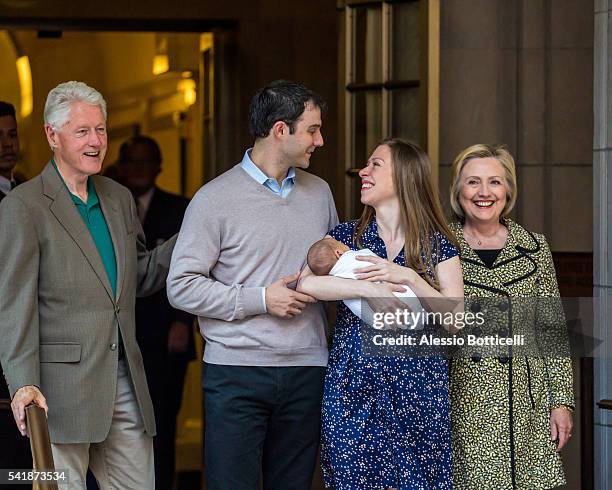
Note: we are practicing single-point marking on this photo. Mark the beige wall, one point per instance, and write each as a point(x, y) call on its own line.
point(119, 65)
point(127, 58)
point(520, 72)
point(9, 83)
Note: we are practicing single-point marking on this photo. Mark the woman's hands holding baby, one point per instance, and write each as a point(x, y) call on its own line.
point(384, 270)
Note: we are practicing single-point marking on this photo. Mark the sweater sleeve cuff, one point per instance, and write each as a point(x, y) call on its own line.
point(263, 299)
point(254, 301)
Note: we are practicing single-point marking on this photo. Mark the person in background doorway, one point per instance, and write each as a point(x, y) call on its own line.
point(9, 148)
point(164, 334)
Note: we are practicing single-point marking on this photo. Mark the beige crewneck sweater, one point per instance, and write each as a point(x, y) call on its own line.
point(237, 237)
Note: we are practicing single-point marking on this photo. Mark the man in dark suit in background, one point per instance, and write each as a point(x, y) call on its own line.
point(165, 335)
point(9, 147)
point(18, 456)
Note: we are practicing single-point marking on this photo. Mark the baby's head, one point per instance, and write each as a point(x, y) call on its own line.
point(324, 254)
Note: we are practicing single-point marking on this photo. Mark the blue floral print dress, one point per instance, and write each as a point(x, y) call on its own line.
point(386, 420)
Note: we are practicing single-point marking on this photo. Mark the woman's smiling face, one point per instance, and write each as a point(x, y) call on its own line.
point(377, 185)
point(483, 190)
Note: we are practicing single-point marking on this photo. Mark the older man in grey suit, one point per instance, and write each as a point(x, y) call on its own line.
point(73, 262)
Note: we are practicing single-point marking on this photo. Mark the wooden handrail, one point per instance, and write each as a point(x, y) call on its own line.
point(40, 445)
point(605, 404)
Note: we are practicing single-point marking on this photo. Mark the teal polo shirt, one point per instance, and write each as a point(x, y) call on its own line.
point(92, 215)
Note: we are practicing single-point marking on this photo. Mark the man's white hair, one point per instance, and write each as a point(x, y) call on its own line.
point(61, 98)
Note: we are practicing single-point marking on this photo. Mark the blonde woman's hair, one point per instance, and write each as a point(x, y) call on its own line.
point(420, 210)
point(503, 156)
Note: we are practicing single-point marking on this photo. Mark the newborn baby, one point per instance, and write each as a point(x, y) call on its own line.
point(331, 257)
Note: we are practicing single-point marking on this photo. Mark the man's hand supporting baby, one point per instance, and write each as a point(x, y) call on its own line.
point(284, 302)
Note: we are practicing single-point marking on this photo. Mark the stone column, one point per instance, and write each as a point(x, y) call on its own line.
point(602, 239)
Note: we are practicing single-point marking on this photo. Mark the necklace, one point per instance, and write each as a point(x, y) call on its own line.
point(473, 236)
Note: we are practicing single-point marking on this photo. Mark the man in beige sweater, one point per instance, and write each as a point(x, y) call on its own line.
point(243, 242)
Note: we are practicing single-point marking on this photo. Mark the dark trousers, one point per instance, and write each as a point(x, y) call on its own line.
point(165, 380)
point(261, 422)
point(14, 448)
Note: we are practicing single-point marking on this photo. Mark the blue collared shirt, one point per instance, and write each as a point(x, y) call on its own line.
point(282, 190)
point(254, 171)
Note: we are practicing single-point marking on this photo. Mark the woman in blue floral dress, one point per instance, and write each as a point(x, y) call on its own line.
point(386, 420)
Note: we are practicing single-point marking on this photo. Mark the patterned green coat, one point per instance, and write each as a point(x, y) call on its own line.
point(501, 405)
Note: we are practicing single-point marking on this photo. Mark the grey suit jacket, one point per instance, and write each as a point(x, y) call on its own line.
point(59, 321)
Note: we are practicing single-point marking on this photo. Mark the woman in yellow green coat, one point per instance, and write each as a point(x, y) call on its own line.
point(511, 414)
